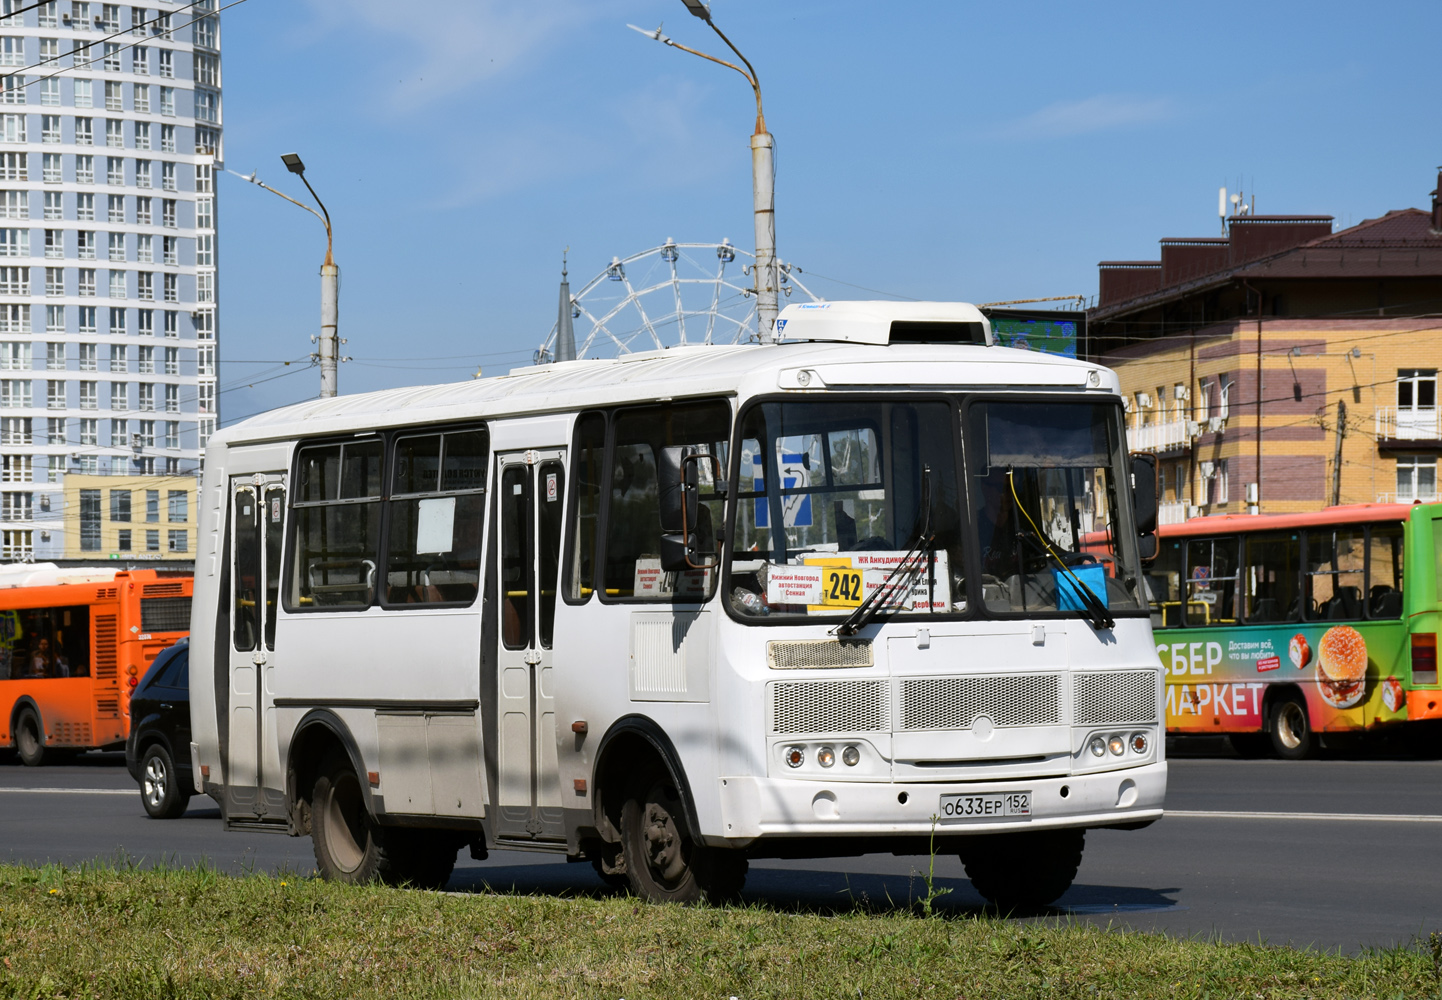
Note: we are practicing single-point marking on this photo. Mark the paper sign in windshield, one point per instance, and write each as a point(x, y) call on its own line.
point(435, 525)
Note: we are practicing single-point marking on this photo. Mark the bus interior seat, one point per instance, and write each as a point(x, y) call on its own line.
point(1346, 603)
point(1386, 602)
point(1265, 610)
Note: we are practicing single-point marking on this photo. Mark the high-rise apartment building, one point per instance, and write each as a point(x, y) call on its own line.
point(110, 137)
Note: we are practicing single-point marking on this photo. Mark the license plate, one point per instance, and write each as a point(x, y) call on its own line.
point(986, 806)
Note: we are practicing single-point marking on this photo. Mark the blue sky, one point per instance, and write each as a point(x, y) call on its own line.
point(967, 151)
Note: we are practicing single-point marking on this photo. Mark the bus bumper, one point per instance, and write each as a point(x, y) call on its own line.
point(752, 808)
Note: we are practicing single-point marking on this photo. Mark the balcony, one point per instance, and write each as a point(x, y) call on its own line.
point(1158, 437)
point(1420, 423)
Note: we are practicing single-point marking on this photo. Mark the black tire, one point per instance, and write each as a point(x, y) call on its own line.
point(1022, 872)
point(160, 789)
point(663, 863)
point(29, 743)
point(349, 846)
point(1290, 729)
point(1251, 746)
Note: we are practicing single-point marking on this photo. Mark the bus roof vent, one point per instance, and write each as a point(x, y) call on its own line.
point(884, 323)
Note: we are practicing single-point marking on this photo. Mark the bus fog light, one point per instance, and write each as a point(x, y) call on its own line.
point(1098, 746)
point(1139, 743)
point(1117, 745)
point(826, 756)
point(851, 756)
point(795, 756)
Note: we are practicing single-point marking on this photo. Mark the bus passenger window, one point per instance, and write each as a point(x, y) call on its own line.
point(1333, 577)
point(436, 514)
point(552, 504)
point(587, 463)
point(1271, 577)
point(1212, 581)
point(1384, 576)
point(1164, 585)
point(337, 532)
point(633, 520)
point(515, 557)
point(246, 579)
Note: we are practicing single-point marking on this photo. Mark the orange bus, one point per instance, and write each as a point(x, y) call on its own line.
point(73, 645)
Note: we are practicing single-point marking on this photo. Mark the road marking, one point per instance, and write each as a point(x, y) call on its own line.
point(1329, 817)
point(70, 791)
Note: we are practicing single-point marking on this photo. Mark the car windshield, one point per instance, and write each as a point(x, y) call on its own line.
point(833, 497)
point(1043, 483)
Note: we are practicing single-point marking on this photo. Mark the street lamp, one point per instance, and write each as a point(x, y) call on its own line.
point(763, 175)
point(329, 273)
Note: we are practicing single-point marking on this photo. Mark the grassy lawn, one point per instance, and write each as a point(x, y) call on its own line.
point(106, 932)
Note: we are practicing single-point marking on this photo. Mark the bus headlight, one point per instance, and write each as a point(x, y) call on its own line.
point(794, 756)
point(826, 756)
point(1098, 746)
point(1117, 745)
point(851, 756)
point(1140, 742)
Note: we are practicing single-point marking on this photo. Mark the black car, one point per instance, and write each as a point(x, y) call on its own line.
point(157, 753)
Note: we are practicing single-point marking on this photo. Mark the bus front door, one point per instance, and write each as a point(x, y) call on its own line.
point(532, 498)
point(254, 782)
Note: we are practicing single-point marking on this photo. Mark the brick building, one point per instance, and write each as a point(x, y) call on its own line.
point(1341, 330)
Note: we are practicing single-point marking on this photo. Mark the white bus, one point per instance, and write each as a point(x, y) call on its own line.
point(677, 610)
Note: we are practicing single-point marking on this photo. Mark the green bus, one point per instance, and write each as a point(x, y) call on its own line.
point(1273, 628)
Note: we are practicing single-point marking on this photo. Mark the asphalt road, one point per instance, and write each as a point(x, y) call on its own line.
point(1251, 850)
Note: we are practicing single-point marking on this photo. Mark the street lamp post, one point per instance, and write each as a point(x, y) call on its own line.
point(329, 275)
point(763, 177)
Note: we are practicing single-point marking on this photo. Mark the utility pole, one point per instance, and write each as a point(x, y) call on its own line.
point(763, 178)
point(328, 354)
point(1337, 452)
point(329, 290)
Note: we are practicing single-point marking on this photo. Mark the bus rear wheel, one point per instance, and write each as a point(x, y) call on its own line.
point(1023, 871)
point(1291, 730)
point(663, 863)
point(348, 844)
point(28, 743)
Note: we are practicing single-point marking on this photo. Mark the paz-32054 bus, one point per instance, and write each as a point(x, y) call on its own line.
point(677, 610)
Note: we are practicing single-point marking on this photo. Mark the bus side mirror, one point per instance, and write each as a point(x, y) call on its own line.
point(679, 507)
point(1144, 492)
point(1147, 546)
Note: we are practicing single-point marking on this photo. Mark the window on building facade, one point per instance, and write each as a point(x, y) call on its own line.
point(89, 395)
point(55, 356)
point(50, 172)
point(14, 281)
point(143, 170)
point(179, 540)
point(15, 430)
point(172, 437)
point(117, 322)
point(123, 540)
point(89, 430)
point(1416, 478)
point(152, 535)
point(166, 65)
point(84, 169)
point(144, 245)
point(140, 101)
point(120, 506)
point(90, 520)
point(87, 313)
point(145, 322)
point(54, 243)
point(14, 356)
point(147, 396)
point(84, 95)
point(119, 358)
point(85, 286)
point(145, 360)
point(117, 291)
point(119, 396)
point(115, 171)
point(117, 249)
point(50, 92)
point(167, 139)
point(115, 208)
point(54, 319)
point(54, 206)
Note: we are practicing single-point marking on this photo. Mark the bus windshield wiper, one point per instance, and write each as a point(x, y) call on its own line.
point(901, 575)
point(1096, 612)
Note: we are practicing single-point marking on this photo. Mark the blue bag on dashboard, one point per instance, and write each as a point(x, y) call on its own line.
point(1094, 576)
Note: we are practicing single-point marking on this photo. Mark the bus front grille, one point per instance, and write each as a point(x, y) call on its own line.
point(957, 702)
point(1107, 699)
point(829, 707)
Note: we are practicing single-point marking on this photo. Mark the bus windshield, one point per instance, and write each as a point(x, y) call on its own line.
point(832, 498)
point(838, 500)
point(1043, 482)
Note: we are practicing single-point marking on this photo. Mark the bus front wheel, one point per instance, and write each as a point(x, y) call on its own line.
point(28, 743)
point(1291, 730)
point(663, 863)
point(1023, 871)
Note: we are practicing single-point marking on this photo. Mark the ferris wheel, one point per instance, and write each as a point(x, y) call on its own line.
point(667, 296)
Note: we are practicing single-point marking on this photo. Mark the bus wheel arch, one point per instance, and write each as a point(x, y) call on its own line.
point(630, 744)
point(319, 737)
point(27, 731)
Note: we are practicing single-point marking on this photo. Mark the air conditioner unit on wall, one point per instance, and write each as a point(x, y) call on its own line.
point(1144, 399)
point(1183, 392)
point(1215, 424)
point(1193, 428)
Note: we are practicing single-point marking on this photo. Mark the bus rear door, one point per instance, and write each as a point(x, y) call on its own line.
point(255, 783)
